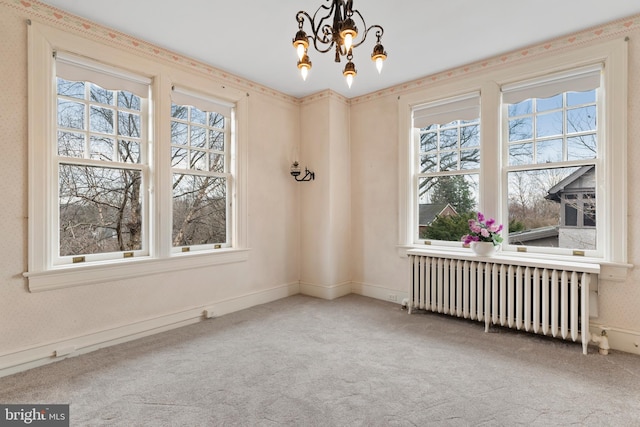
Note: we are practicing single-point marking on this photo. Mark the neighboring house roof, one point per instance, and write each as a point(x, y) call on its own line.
point(555, 191)
point(429, 211)
point(533, 234)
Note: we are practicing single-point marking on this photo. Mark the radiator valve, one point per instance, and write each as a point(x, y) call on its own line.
point(602, 341)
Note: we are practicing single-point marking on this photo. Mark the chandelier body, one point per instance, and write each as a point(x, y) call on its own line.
point(333, 27)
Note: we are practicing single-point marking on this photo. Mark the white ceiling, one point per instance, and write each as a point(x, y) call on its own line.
point(252, 39)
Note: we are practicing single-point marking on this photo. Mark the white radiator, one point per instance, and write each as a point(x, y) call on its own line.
point(533, 298)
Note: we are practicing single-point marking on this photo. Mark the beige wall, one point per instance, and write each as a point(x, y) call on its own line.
point(375, 186)
point(336, 234)
point(33, 325)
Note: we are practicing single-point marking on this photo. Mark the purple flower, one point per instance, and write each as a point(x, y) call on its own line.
point(483, 229)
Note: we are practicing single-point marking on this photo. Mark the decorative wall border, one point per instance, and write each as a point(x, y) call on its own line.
point(78, 24)
point(70, 22)
point(590, 35)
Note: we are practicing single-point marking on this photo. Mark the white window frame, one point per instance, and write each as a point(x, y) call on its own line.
point(194, 98)
point(115, 80)
point(464, 107)
point(42, 273)
point(612, 120)
point(574, 79)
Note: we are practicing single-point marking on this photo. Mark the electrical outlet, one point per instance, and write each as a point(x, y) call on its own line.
point(393, 297)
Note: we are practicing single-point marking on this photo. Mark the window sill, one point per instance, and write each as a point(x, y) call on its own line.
point(606, 270)
point(100, 272)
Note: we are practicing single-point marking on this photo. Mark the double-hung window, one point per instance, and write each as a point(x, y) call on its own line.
point(550, 134)
point(447, 164)
point(200, 162)
point(100, 161)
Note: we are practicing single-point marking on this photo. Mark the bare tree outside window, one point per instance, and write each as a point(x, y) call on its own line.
point(199, 159)
point(100, 200)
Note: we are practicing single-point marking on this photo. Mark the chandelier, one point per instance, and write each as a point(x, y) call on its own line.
point(334, 27)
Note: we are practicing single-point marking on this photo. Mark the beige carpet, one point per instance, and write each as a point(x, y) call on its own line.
point(354, 361)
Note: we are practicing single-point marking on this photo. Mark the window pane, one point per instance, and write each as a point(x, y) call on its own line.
point(216, 140)
point(581, 119)
point(445, 205)
point(70, 114)
point(199, 210)
point(520, 129)
point(198, 137)
point(101, 120)
point(546, 104)
point(520, 154)
point(520, 108)
point(71, 89)
point(101, 148)
point(428, 141)
point(578, 98)
point(179, 158)
point(100, 210)
point(470, 159)
point(179, 133)
point(470, 136)
point(428, 163)
point(70, 144)
point(546, 207)
point(449, 161)
point(101, 95)
point(448, 139)
point(129, 101)
point(198, 160)
point(216, 162)
point(549, 124)
point(129, 124)
point(549, 151)
point(179, 111)
point(216, 120)
point(198, 116)
point(582, 147)
point(129, 151)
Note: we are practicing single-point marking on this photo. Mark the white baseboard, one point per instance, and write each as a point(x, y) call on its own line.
point(28, 358)
point(619, 339)
point(327, 292)
point(379, 292)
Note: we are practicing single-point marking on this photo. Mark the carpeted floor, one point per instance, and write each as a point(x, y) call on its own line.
point(354, 361)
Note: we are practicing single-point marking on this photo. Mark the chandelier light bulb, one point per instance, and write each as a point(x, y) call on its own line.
point(349, 72)
point(304, 65)
point(348, 41)
point(378, 56)
point(300, 49)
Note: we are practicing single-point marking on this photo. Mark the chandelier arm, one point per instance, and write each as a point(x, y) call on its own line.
point(321, 32)
point(364, 35)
